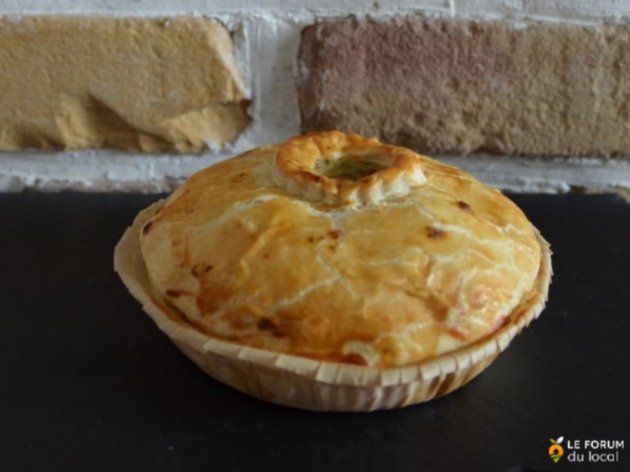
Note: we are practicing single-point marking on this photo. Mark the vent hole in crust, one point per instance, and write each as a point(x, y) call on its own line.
point(348, 167)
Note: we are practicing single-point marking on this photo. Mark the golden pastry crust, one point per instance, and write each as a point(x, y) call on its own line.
point(301, 160)
point(424, 269)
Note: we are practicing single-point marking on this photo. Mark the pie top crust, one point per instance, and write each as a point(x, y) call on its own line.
point(342, 249)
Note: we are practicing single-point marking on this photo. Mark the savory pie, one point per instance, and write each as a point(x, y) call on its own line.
point(336, 272)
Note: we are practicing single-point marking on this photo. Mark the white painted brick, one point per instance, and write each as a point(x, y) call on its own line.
point(578, 9)
point(488, 8)
point(158, 7)
point(266, 35)
point(559, 10)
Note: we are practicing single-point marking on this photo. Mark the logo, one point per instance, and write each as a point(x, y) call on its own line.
point(595, 450)
point(556, 451)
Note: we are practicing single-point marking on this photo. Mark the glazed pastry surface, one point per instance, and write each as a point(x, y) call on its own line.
point(343, 249)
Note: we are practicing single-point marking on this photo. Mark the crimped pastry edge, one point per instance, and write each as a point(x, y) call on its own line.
point(319, 385)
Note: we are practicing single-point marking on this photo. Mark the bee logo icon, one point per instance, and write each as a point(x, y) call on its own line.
point(556, 451)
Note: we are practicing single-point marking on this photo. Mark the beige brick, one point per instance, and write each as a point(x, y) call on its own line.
point(461, 86)
point(138, 84)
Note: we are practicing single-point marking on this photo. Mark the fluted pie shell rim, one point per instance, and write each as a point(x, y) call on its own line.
point(322, 385)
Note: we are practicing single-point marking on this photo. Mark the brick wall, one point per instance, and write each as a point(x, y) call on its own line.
point(119, 95)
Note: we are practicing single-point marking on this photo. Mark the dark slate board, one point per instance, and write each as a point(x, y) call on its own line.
point(88, 383)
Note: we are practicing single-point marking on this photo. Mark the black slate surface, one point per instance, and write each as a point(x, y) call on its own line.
point(88, 383)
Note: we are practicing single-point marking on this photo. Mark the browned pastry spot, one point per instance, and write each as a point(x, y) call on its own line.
point(335, 233)
point(354, 358)
point(266, 324)
point(200, 270)
point(435, 233)
point(463, 205)
point(211, 296)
